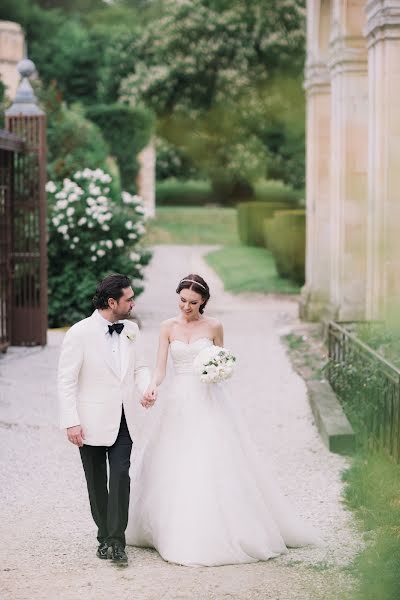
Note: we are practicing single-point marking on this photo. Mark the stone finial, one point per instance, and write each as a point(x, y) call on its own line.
point(25, 102)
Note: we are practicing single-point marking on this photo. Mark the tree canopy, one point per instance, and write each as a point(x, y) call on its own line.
point(223, 76)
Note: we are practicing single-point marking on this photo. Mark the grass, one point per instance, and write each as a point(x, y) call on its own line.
point(307, 351)
point(193, 225)
point(384, 338)
point(241, 268)
point(248, 269)
point(373, 493)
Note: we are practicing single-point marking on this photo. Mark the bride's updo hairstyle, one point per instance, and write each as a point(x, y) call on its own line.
point(197, 284)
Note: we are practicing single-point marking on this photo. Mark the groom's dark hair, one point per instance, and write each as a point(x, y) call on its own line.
point(112, 286)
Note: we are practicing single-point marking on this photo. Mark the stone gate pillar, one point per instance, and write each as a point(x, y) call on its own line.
point(383, 276)
point(11, 52)
point(349, 162)
point(146, 179)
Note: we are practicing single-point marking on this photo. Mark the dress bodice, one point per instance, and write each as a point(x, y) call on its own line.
point(183, 353)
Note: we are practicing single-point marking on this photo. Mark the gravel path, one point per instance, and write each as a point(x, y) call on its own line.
point(48, 537)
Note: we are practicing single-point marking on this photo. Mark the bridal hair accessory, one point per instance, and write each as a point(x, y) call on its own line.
point(214, 364)
point(196, 282)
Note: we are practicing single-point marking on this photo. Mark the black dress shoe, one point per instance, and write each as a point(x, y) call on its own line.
point(117, 554)
point(102, 550)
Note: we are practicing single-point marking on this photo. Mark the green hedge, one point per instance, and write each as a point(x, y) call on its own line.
point(72, 139)
point(251, 216)
point(127, 130)
point(286, 237)
point(173, 192)
point(270, 191)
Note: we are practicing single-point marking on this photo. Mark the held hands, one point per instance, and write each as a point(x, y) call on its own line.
point(149, 397)
point(75, 435)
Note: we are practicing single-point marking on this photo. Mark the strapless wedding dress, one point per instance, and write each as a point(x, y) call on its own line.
point(200, 494)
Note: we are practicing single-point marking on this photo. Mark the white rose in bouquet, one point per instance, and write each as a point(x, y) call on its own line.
point(214, 364)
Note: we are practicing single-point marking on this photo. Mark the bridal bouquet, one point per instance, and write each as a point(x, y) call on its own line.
point(214, 364)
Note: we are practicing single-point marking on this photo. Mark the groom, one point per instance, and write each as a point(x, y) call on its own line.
point(100, 362)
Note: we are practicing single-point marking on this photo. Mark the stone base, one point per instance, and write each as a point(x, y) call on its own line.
point(332, 424)
point(311, 307)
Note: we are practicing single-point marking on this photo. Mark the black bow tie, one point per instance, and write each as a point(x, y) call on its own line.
point(118, 327)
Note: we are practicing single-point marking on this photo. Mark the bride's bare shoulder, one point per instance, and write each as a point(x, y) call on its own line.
point(167, 325)
point(214, 323)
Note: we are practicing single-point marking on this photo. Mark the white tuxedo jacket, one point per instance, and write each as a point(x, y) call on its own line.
point(90, 392)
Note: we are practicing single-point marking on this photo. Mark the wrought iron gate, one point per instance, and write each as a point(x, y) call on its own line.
point(23, 252)
point(10, 146)
point(28, 253)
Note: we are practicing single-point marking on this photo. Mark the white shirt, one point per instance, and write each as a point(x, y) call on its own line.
point(113, 343)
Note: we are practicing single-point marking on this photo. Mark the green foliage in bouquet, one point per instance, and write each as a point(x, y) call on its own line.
point(285, 235)
point(92, 232)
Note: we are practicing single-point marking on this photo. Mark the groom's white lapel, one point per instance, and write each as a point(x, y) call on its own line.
point(125, 349)
point(101, 344)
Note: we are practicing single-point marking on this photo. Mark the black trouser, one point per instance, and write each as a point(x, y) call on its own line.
point(109, 506)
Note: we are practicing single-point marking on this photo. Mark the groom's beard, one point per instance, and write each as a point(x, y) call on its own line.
point(120, 316)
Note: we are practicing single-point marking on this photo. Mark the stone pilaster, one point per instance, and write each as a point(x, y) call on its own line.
point(383, 38)
point(146, 179)
point(348, 180)
point(11, 53)
point(315, 293)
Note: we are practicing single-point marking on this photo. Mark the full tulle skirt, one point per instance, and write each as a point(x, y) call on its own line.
point(201, 496)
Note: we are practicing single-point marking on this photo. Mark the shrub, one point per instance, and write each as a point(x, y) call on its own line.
point(92, 232)
point(286, 237)
point(274, 191)
point(127, 131)
point(172, 162)
point(372, 492)
point(173, 192)
point(72, 141)
point(251, 216)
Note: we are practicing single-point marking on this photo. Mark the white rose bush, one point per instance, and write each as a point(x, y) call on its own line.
point(214, 364)
point(93, 231)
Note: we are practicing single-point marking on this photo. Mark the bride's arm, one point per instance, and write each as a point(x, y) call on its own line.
point(162, 355)
point(161, 365)
point(218, 338)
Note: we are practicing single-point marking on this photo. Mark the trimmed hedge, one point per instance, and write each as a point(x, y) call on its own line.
point(286, 237)
point(251, 216)
point(173, 192)
point(268, 191)
point(197, 192)
point(127, 130)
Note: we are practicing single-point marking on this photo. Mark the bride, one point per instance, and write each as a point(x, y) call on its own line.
point(200, 494)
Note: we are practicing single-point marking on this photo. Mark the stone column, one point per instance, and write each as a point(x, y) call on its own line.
point(349, 162)
point(383, 276)
point(146, 179)
point(11, 52)
point(315, 293)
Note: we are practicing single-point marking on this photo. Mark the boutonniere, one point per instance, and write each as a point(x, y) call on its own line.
point(131, 336)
